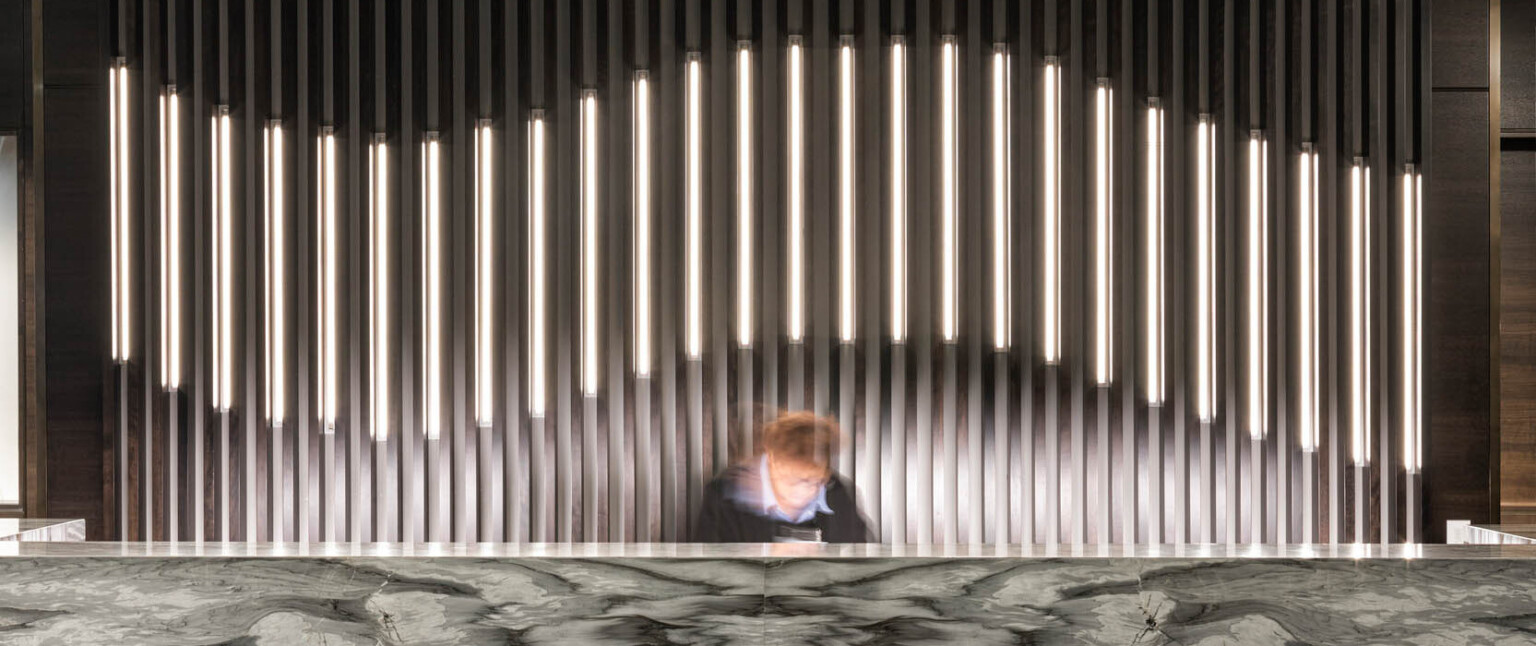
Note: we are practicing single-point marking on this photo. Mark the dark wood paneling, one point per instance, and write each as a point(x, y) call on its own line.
point(1459, 42)
point(1517, 67)
point(1456, 244)
point(13, 85)
point(75, 306)
point(1517, 327)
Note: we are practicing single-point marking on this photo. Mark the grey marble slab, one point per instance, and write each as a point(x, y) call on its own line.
point(727, 595)
point(42, 529)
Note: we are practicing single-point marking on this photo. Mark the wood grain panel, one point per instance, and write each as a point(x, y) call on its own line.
point(1459, 42)
point(1517, 326)
point(1457, 360)
point(1517, 67)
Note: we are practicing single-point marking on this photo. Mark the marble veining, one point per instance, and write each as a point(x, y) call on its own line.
point(827, 598)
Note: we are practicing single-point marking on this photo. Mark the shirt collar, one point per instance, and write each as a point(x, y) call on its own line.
point(771, 502)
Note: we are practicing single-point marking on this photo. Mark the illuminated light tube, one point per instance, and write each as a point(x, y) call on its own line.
point(1258, 284)
point(122, 239)
point(1051, 251)
point(845, 188)
point(1359, 311)
point(1103, 209)
point(1205, 252)
point(898, 190)
point(485, 276)
point(1002, 188)
point(276, 280)
point(642, 223)
point(1412, 314)
point(432, 284)
point(378, 269)
point(796, 322)
point(222, 203)
point(538, 291)
point(589, 250)
point(170, 240)
point(1308, 334)
point(328, 266)
point(744, 194)
point(694, 243)
point(1154, 252)
point(949, 189)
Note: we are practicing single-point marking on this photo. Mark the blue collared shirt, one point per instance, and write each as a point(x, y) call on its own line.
point(771, 502)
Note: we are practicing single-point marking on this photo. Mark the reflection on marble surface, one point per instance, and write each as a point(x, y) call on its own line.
point(828, 599)
point(42, 529)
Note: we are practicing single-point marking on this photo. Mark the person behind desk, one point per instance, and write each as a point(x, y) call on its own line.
point(786, 494)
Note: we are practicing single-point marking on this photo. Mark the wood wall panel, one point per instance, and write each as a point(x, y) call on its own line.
point(1517, 335)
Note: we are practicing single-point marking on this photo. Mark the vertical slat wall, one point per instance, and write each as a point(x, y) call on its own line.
point(946, 440)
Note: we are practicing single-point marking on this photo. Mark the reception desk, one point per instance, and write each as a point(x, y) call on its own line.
point(137, 593)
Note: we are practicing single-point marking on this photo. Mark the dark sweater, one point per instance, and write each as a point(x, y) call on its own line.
point(724, 519)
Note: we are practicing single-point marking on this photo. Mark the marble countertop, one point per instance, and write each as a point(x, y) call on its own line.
point(754, 551)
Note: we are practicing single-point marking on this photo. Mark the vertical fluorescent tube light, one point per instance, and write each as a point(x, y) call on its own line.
point(1412, 220)
point(1002, 187)
point(1359, 312)
point(328, 263)
point(589, 249)
point(694, 242)
point(1258, 284)
point(1154, 252)
point(170, 239)
point(378, 272)
point(744, 194)
point(432, 284)
point(1051, 256)
point(642, 223)
point(276, 281)
point(537, 251)
point(1205, 251)
point(796, 322)
point(1307, 266)
point(222, 203)
point(1103, 211)
point(898, 190)
point(949, 189)
point(485, 276)
point(117, 81)
point(845, 188)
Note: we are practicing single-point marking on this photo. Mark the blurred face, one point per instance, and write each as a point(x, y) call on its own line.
point(795, 482)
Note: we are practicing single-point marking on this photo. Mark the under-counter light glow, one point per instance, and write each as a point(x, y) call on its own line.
point(796, 144)
point(845, 190)
point(537, 260)
point(694, 236)
point(1002, 187)
point(326, 295)
point(378, 270)
point(1103, 209)
point(949, 188)
point(1258, 284)
point(1205, 258)
point(1359, 311)
point(898, 190)
point(485, 276)
point(432, 284)
point(589, 250)
point(1308, 301)
point(1154, 252)
point(122, 239)
point(1412, 313)
point(222, 203)
point(170, 240)
point(642, 223)
point(1050, 265)
point(744, 195)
